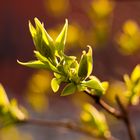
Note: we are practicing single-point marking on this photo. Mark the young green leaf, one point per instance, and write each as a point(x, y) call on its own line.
point(86, 65)
point(135, 74)
point(34, 64)
point(55, 84)
point(61, 39)
point(83, 66)
point(127, 81)
point(46, 61)
point(3, 97)
point(105, 85)
point(69, 89)
point(43, 42)
point(94, 83)
point(90, 60)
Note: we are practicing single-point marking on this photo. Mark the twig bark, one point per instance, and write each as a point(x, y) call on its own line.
point(105, 106)
point(126, 119)
point(122, 115)
point(64, 124)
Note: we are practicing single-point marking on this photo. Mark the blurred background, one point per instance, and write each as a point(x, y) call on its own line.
point(112, 28)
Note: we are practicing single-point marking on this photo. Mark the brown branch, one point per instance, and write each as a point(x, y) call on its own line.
point(65, 124)
point(105, 106)
point(126, 119)
point(122, 115)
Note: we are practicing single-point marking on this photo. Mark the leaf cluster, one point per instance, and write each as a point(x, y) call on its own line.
point(66, 69)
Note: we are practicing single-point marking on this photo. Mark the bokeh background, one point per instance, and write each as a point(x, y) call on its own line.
point(105, 25)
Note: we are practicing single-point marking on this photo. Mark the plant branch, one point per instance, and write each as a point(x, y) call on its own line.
point(122, 115)
point(65, 124)
point(126, 119)
point(104, 105)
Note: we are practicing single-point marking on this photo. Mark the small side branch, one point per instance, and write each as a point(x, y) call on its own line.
point(121, 114)
point(76, 127)
point(126, 119)
point(105, 106)
point(64, 124)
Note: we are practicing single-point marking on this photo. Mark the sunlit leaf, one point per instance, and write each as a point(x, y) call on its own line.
point(61, 39)
point(3, 97)
point(69, 89)
point(86, 64)
point(43, 42)
point(34, 64)
point(48, 64)
point(127, 81)
point(105, 85)
point(136, 74)
point(90, 60)
point(94, 83)
point(55, 84)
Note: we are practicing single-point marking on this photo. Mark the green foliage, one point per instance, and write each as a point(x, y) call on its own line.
point(9, 111)
point(133, 85)
point(50, 55)
point(86, 64)
point(95, 121)
point(61, 39)
point(55, 84)
point(69, 89)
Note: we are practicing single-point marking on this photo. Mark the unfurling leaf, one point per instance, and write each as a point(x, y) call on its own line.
point(55, 84)
point(3, 97)
point(127, 81)
point(69, 89)
point(136, 74)
point(43, 59)
point(94, 83)
point(34, 64)
point(105, 85)
point(43, 42)
point(61, 39)
point(86, 64)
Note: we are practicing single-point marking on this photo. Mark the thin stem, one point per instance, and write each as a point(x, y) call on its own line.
point(122, 115)
point(105, 106)
point(65, 124)
point(126, 119)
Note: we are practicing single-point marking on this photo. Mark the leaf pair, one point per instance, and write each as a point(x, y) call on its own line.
point(47, 50)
